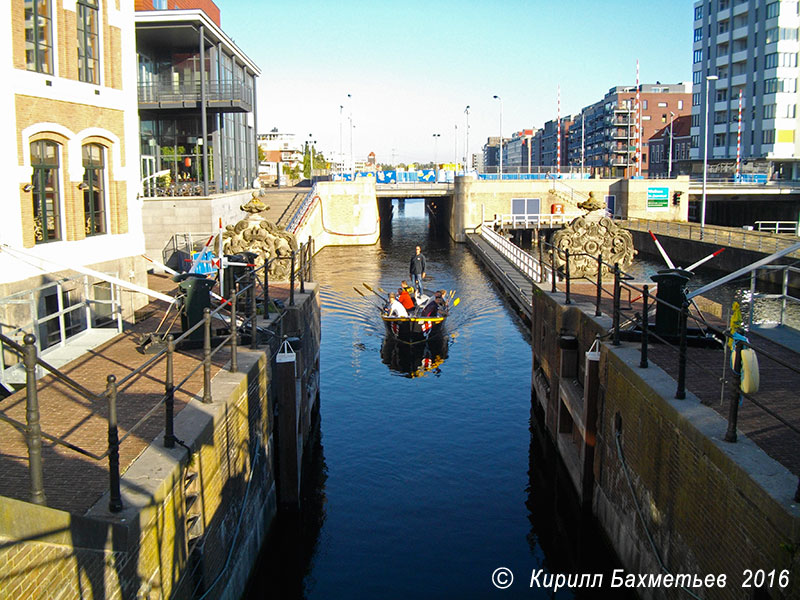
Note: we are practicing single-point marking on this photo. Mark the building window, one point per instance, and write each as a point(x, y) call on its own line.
point(768, 136)
point(88, 41)
point(791, 111)
point(772, 35)
point(697, 77)
point(698, 13)
point(720, 116)
point(723, 26)
point(696, 99)
point(94, 200)
point(695, 141)
point(769, 111)
point(46, 197)
point(773, 9)
point(695, 120)
point(771, 60)
point(680, 104)
point(698, 34)
point(719, 140)
point(722, 94)
point(38, 36)
point(698, 56)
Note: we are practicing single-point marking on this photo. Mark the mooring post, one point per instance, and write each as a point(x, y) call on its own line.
point(539, 243)
point(33, 430)
point(680, 394)
point(169, 391)
point(289, 401)
point(645, 317)
point(291, 283)
point(553, 267)
point(733, 406)
point(207, 355)
point(617, 294)
point(599, 298)
point(234, 332)
point(115, 495)
point(310, 246)
point(303, 269)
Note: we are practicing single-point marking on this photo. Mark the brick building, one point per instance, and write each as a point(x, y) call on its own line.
point(71, 155)
point(675, 139)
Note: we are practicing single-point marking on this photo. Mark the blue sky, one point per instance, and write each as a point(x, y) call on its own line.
point(412, 67)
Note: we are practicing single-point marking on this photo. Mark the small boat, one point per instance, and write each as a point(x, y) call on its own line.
point(414, 328)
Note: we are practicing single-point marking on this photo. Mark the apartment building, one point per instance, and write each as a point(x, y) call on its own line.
point(549, 142)
point(517, 154)
point(279, 150)
point(746, 48)
point(606, 133)
point(71, 154)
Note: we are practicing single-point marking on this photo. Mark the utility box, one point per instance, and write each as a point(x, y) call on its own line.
point(197, 291)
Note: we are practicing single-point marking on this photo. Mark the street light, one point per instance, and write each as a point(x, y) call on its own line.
point(669, 163)
point(705, 158)
point(341, 154)
point(436, 137)
point(466, 142)
point(500, 152)
point(352, 163)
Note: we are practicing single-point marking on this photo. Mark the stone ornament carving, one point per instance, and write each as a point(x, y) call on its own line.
point(255, 234)
point(588, 236)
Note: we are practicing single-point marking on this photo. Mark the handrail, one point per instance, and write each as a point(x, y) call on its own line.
point(33, 431)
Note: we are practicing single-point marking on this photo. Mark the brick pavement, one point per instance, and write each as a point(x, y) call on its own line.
point(72, 481)
point(778, 390)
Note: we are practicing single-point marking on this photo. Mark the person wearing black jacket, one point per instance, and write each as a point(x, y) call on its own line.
point(417, 269)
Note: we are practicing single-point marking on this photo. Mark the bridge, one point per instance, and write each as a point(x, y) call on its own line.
point(414, 190)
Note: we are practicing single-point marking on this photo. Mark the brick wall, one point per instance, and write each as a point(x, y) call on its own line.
point(705, 510)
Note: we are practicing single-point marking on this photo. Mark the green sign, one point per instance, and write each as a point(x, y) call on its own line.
point(657, 198)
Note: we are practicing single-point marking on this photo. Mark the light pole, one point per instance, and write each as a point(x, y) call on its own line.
point(455, 148)
point(669, 163)
point(341, 154)
point(436, 137)
point(352, 163)
point(466, 142)
point(500, 150)
point(709, 78)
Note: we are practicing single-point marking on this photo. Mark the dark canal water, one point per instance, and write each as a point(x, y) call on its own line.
point(424, 482)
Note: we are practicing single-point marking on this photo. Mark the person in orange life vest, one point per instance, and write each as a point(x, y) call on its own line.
point(405, 299)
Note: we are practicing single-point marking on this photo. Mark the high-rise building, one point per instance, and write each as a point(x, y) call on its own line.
point(752, 48)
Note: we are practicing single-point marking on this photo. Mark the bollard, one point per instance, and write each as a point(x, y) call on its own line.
point(617, 293)
point(291, 282)
point(169, 391)
point(542, 275)
point(234, 332)
point(115, 495)
point(645, 317)
point(207, 355)
point(680, 394)
point(553, 268)
point(733, 407)
point(33, 431)
point(597, 312)
point(567, 300)
point(310, 256)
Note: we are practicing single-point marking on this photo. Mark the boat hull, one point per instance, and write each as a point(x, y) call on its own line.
point(412, 330)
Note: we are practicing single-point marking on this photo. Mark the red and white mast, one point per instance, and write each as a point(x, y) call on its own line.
point(739, 141)
point(558, 134)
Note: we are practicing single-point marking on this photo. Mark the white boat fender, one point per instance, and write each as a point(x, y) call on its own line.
point(749, 374)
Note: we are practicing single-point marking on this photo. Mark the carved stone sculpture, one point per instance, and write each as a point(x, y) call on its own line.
point(588, 236)
point(255, 234)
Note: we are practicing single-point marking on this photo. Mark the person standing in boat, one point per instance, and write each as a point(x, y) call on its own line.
point(417, 269)
point(394, 308)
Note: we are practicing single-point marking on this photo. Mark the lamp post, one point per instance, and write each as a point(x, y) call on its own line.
point(500, 149)
point(436, 137)
point(455, 149)
point(466, 142)
point(352, 163)
point(669, 163)
point(341, 154)
point(709, 78)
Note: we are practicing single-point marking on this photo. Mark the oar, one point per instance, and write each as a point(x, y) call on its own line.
point(366, 285)
point(456, 302)
point(360, 293)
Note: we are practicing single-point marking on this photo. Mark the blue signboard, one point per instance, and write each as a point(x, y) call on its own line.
point(427, 175)
point(387, 176)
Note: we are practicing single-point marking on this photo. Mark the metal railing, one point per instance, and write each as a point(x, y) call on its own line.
point(533, 221)
point(622, 281)
point(303, 210)
point(789, 227)
point(245, 286)
point(785, 297)
point(152, 93)
point(725, 236)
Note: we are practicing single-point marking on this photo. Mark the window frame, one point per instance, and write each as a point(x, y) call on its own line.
point(88, 62)
point(94, 193)
point(46, 172)
point(40, 65)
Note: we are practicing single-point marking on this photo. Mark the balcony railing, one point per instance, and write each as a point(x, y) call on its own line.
point(220, 96)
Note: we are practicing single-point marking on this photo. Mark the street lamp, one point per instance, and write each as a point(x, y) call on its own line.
point(341, 154)
point(352, 163)
point(669, 163)
point(709, 78)
point(500, 151)
point(436, 137)
point(466, 142)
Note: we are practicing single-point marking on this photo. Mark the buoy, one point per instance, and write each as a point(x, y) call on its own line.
point(750, 377)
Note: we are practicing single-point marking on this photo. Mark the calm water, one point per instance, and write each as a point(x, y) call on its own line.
point(424, 482)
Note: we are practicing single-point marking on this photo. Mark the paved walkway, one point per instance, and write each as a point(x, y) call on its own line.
point(74, 482)
point(779, 384)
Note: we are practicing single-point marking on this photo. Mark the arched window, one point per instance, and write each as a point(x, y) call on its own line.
point(46, 196)
point(94, 198)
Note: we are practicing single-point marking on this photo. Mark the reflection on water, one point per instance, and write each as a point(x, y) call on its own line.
point(424, 485)
point(415, 360)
